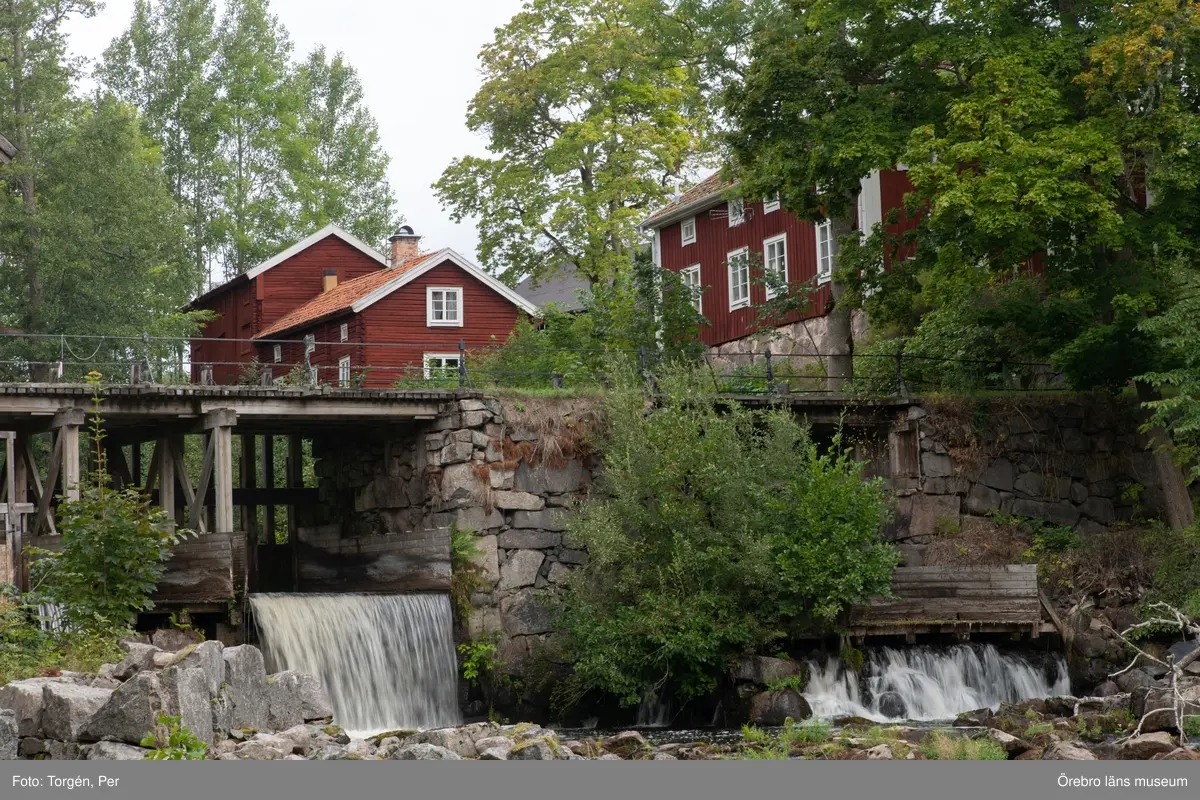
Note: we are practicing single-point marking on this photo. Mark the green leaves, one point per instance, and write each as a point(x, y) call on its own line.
point(171, 741)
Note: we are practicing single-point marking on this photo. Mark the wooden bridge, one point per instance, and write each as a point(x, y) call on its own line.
point(955, 600)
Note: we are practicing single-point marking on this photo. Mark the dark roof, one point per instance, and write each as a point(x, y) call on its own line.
point(704, 192)
point(562, 289)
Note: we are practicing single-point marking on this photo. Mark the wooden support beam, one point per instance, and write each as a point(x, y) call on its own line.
point(248, 474)
point(12, 520)
point(185, 483)
point(268, 481)
point(43, 516)
point(118, 469)
point(67, 424)
point(135, 462)
point(163, 467)
point(196, 507)
point(220, 425)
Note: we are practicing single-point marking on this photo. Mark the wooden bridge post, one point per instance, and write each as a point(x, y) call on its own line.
point(66, 425)
point(165, 455)
point(219, 425)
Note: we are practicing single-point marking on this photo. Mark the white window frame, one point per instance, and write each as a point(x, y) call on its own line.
point(691, 279)
point(277, 353)
point(862, 213)
point(444, 357)
point(684, 239)
point(781, 239)
point(771, 204)
point(824, 235)
point(344, 372)
point(737, 212)
point(344, 332)
point(443, 323)
point(731, 263)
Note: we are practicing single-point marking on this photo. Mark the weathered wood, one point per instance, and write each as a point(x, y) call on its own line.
point(185, 484)
point(118, 469)
point(222, 439)
point(268, 481)
point(416, 561)
point(43, 510)
point(295, 480)
point(1006, 595)
point(206, 471)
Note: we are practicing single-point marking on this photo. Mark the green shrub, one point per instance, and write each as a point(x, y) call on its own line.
point(171, 741)
point(1191, 725)
point(683, 573)
point(947, 747)
point(465, 575)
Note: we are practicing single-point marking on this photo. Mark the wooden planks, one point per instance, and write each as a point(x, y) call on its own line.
point(1006, 594)
point(399, 562)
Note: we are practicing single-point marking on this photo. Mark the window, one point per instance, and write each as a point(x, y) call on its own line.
point(737, 212)
point(691, 280)
point(444, 306)
point(687, 231)
point(441, 365)
point(775, 259)
point(824, 251)
point(344, 372)
point(344, 332)
point(771, 204)
point(739, 279)
point(278, 353)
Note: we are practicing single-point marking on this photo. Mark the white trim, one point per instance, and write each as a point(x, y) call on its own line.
point(741, 214)
point(697, 289)
point(437, 259)
point(425, 358)
point(683, 237)
point(344, 332)
point(304, 244)
point(344, 372)
point(771, 205)
point(743, 252)
point(827, 226)
point(457, 322)
point(780, 239)
point(277, 353)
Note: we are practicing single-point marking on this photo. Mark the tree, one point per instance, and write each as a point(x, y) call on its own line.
point(337, 171)
point(592, 117)
point(832, 91)
point(683, 574)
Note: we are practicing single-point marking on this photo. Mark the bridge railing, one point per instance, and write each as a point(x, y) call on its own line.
point(884, 370)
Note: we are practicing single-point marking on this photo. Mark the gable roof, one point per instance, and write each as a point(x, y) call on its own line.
point(562, 289)
point(361, 293)
point(294, 250)
point(695, 199)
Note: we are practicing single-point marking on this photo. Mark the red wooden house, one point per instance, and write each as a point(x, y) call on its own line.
point(717, 244)
point(333, 302)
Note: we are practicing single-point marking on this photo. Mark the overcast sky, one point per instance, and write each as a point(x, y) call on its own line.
point(419, 66)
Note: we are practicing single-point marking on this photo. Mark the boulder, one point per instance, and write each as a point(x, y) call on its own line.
point(549, 519)
point(517, 501)
point(206, 656)
point(185, 695)
point(457, 740)
point(25, 699)
point(523, 614)
point(543, 749)
point(67, 707)
point(762, 670)
point(173, 640)
point(307, 739)
point(264, 747)
point(494, 748)
point(880, 752)
point(998, 475)
point(1159, 704)
point(63, 751)
point(529, 539)
point(425, 752)
point(892, 705)
point(138, 657)
point(774, 708)
point(627, 744)
point(1067, 751)
point(8, 734)
point(481, 730)
point(1146, 746)
point(665, 757)
point(115, 751)
point(283, 703)
point(1178, 754)
point(222, 713)
point(130, 712)
point(521, 569)
point(1011, 744)
point(246, 676)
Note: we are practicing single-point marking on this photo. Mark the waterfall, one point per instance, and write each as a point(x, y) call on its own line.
point(654, 712)
point(387, 661)
point(923, 683)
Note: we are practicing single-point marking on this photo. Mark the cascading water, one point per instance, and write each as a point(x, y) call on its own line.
point(923, 683)
point(387, 661)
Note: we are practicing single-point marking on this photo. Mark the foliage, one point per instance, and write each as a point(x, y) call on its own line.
point(478, 660)
point(947, 747)
point(684, 574)
point(590, 107)
point(465, 575)
point(778, 746)
point(113, 548)
point(794, 682)
point(171, 741)
point(1191, 725)
point(27, 651)
point(1176, 563)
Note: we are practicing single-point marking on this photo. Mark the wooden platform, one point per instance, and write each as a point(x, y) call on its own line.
point(958, 600)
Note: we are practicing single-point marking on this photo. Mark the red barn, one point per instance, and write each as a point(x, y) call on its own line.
point(717, 244)
point(370, 320)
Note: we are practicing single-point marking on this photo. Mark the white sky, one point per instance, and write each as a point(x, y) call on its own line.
point(419, 68)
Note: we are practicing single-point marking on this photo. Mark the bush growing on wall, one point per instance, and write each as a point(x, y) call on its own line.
point(716, 530)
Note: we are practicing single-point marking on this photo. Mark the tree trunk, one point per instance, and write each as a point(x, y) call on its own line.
point(839, 339)
point(1177, 503)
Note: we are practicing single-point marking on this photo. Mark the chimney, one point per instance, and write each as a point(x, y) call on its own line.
point(330, 280)
point(404, 244)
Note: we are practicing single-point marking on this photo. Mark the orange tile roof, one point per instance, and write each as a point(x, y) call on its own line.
point(341, 297)
point(712, 186)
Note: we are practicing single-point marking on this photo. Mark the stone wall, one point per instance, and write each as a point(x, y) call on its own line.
point(1077, 462)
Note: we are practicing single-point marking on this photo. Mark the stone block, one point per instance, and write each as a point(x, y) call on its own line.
point(484, 623)
point(952, 485)
point(1078, 493)
point(521, 569)
point(456, 453)
point(475, 419)
point(478, 519)
point(116, 751)
point(391, 492)
point(67, 707)
point(936, 465)
point(1029, 484)
point(518, 501)
point(1022, 507)
point(500, 477)
point(558, 573)
point(928, 511)
point(982, 499)
point(1062, 513)
point(25, 699)
point(130, 712)
point(487, 559)
point(524, 615)
point(568, 556)
point(1099, 509)
point(1076, 441)
point(185, 695)
point(471, 404)
point(546, 519)
point(526, 539)
point(544, 479)
point(8, 735)
point(246, 676)
point(461, 484)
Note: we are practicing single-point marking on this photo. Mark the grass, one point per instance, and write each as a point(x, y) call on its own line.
point(938, 746)
point(1191, 725)
point(1038, 728)
point(763, 745)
